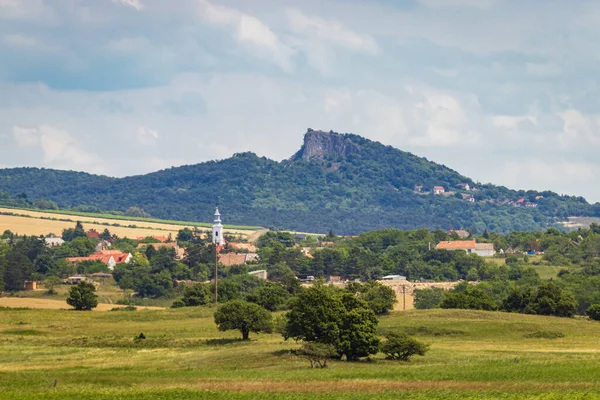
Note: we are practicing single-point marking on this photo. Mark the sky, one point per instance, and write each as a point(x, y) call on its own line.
point(503, 91)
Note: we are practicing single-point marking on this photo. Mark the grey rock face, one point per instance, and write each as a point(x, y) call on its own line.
point(318, 144)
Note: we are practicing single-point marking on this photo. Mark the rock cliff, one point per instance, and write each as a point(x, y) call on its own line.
point(318, 144)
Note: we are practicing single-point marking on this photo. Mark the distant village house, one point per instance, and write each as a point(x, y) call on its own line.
point(470, 246)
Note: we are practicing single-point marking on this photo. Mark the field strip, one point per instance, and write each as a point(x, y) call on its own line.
point(363, 385)
point(25, 302)
point(39, 223)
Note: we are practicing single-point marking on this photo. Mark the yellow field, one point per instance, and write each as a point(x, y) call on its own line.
point(26, 302)
point(35, 225)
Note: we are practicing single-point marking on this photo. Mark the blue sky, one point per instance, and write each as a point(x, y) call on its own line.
point(502, 91)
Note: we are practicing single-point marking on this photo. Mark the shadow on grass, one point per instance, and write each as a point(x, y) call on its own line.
point(223, 342)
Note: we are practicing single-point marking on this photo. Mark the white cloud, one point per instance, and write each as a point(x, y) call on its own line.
point(544, 70)
point(249, 30)
point(331, 31)
point(59, 148)
point(26, 137)
point(458, 3)
point(146, 137)
point(137, 4)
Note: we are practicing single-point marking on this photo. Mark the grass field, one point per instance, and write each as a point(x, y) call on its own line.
point(54, 354)
point(27, 222)
point(545, 270)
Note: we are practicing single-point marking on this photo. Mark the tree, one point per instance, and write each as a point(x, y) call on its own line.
point(545, 299)
point(317, 353)
point(73, 233)
point(399, 346)
point(593, 312)
point(272, 296)
point(428, 298)
point(83, 296)
point(380, 298)
point(243, 316)
point(50, 282)
point(471, 298)
point(18, 268)
point(331, 316)
point(197, 295)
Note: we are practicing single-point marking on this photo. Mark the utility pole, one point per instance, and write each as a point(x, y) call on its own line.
point(404, 297)
point(216, 273)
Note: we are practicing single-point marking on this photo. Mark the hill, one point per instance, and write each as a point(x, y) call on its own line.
point(339, 182)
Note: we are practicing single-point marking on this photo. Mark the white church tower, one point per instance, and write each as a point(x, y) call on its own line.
point(217, 232)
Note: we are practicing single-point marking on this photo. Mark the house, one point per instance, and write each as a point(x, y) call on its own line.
point(520, 203)
point(260, 274)
point(466, 245)
point(438, 190)
point(531, 205)
point(230, 259)
point(103, 245)
point(539, 197)
point(463, 234)
point(470, 246)
point(463, 186)
point(470, 198)
point(53, 241)
point(418, 188)
point(111, 259)
point(300, 236)
point(92, 234)
point(328, 244)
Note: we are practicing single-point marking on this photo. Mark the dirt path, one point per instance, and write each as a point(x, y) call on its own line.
point(20, 302)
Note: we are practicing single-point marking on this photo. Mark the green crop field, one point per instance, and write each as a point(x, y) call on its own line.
point(55, 354)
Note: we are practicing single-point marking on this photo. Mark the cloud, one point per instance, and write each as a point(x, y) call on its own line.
point(59, 148)
point(458, 3)
point(249, 30)
point(137, 4)
point(146, 137)
point(331, 31)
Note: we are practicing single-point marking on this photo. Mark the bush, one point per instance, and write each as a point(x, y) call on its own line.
point(178, 304)
point(317, 353)
point(83, 297)
point(196, 295)
point(400, 346)
point(380, 298)
point(545, 335)
point(593, 312)
point(472, 298)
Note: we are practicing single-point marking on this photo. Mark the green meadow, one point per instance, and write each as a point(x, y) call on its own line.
point(58, 354)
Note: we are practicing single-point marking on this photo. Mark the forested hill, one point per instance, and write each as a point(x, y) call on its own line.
point(339, 182)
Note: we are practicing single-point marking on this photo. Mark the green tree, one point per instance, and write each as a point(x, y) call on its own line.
point(594, 312)
point(270, 295)
point(243, 316)
point(331, 316)
point(73, 233)
point(17, 269)
point(317, 353)
point(428, 298)
point(399, 346)
point(380, 298)
point(471, 298)
point(197, 295)
point(83, 297)
point(50, 282)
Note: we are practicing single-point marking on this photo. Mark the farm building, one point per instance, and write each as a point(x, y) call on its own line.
point(31, 285)
point(470, 246)
point(393, 278)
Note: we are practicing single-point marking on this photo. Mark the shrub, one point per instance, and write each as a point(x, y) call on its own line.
point(594, 312)
point(178, 304)
point(380, 298)
point(83, 297)
point(472, 298)
point(400, 346)
point(317, 353)
point(196, 295)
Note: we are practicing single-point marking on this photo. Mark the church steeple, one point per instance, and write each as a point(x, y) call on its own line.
point(217, 229)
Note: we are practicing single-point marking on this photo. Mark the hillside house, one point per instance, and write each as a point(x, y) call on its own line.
point(470, 198)
point(418, 188)
point(103, 245)
point(463, 186)
point(260, 274)
point(470, 246)
point(243, 246)
point(111, 260)
point(438, 190)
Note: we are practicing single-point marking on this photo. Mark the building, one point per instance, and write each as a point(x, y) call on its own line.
point(31, 285)
point(470, 246)
point(243, 246)
point(93, 234)
point(463, 186)
point(393, 278)
point(470, 198)
point(229, 259)
point(438, 190)
point(102, 245)
point(111, 260)
point(260, 274)
point(418, 188)
point(53, 241)
point(217, 230)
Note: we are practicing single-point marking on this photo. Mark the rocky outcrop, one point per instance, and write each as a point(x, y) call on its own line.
point(318, 144)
